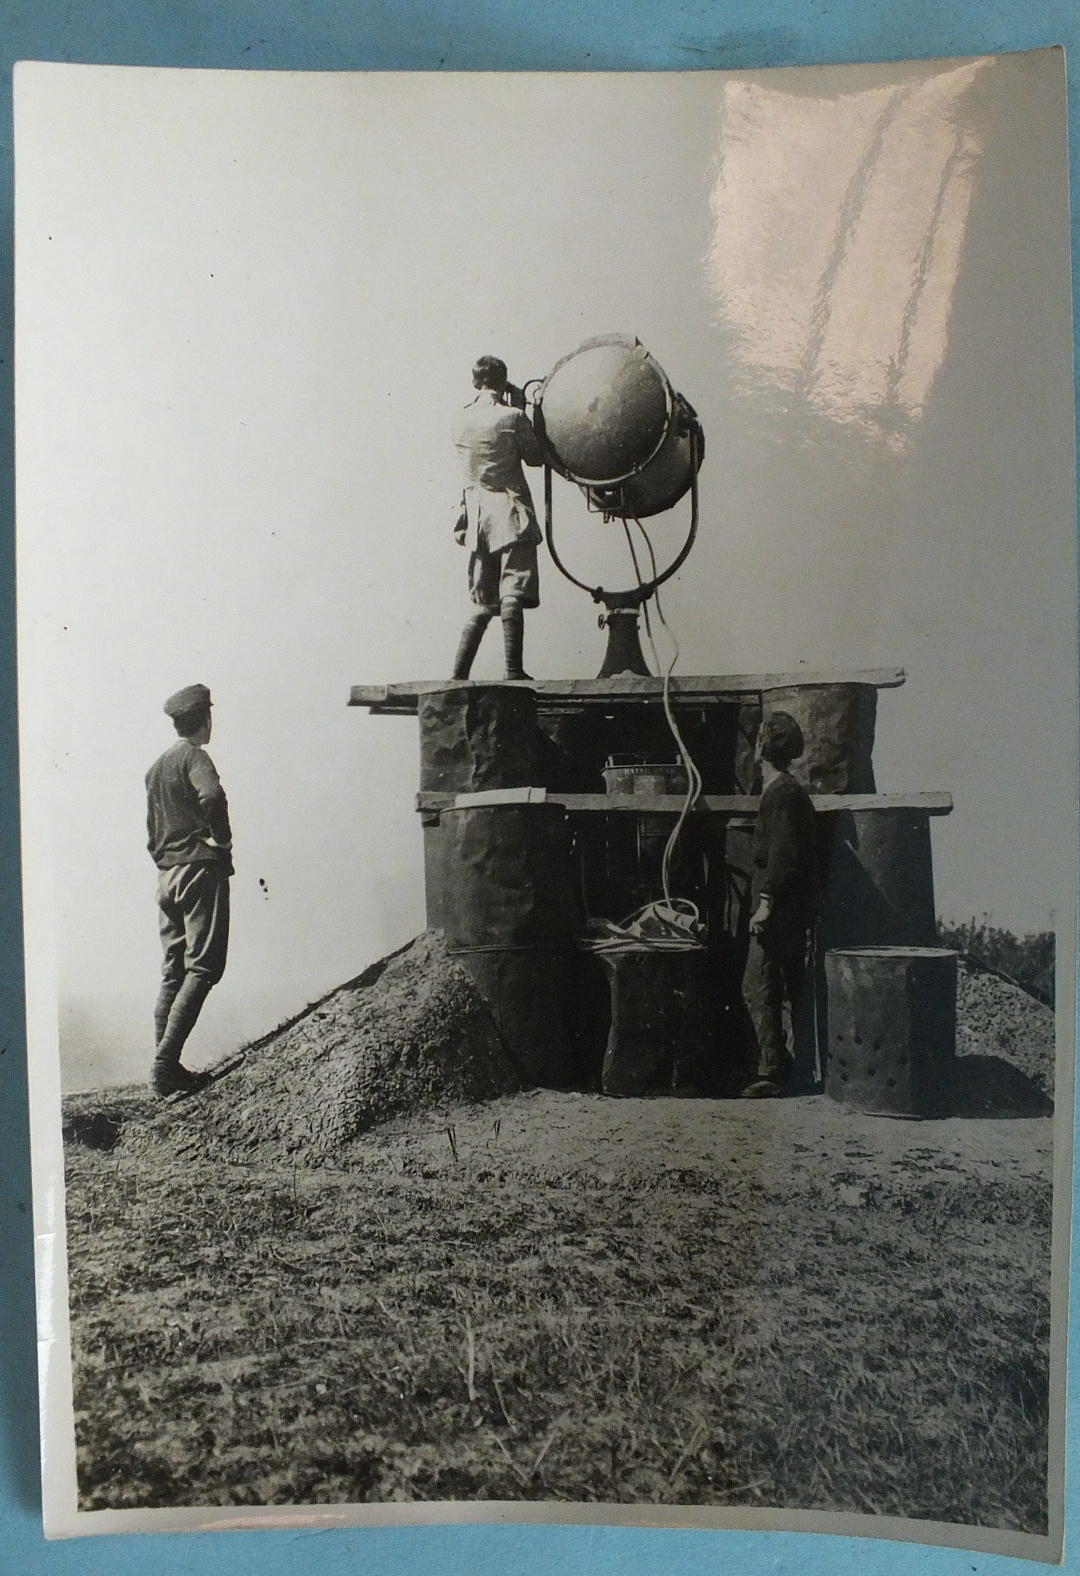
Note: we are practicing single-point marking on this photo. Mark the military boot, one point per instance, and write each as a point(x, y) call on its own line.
point(163, 1006)
point(167, 1076)
point(469, 644)
point(513, 627)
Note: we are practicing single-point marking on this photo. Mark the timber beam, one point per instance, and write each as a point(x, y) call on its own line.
point(671, 804)
point(570, 694)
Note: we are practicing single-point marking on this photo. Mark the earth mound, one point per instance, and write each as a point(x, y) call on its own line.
point(995, 1017)
point(409, 1034)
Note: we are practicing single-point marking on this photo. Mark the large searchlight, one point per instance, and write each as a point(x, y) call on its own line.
point(610, 421)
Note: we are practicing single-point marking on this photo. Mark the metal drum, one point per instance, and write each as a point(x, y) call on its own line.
point(657, 1035)
point(892, 1029)
point(604, 410)
point(472, 737)
point(837, 722)
point(508, 915)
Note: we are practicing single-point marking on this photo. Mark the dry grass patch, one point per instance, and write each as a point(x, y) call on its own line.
point(446, 1320)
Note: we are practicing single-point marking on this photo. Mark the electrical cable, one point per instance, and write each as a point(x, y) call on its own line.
point(637, 577)
point(650, 927)
point(673, 925)
point(674, 921)
point(695, 783)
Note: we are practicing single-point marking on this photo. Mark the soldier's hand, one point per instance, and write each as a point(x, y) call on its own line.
point(760, 917)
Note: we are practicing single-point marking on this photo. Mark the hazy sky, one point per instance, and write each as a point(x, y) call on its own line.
point(247, 308)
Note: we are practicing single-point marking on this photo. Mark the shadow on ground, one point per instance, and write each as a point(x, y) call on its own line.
point(991, 1086)
point(96, 1119)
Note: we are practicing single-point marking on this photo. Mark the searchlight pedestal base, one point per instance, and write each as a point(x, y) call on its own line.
point(621, 617)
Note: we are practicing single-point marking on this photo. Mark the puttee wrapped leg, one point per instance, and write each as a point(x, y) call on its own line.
point(513, 627)
point(469, 644)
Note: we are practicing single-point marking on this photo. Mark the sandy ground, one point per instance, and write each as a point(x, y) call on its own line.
point(781, 1144)
point(357, 1267)
point(566, 1296)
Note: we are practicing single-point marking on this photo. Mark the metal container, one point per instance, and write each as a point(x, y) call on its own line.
point(478, 736)
point(526, 993)
point(643, 777)
point(507, 876)
point(657, 1035)
point(838, 723)
point(509, 918)
point(892, 1029)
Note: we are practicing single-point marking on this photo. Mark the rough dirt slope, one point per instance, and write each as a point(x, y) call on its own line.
point(996, 1017)
point(415, 1035)
point(559, 1296)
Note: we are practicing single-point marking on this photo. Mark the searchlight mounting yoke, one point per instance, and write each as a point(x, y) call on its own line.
point(621, 615)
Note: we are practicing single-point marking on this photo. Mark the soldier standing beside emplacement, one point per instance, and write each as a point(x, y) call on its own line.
point(190, 841)
point(785, 898)
point(494, 437)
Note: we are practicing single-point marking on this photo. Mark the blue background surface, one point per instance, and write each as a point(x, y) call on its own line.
point(422, 35)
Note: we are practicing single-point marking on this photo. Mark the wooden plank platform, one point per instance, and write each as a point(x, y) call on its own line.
point(931, 803)
point(557, 694)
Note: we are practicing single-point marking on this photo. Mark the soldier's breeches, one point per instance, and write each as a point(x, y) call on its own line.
point(510, 574)
point(193, 918)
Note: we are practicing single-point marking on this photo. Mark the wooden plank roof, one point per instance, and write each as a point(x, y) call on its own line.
point(570, 694)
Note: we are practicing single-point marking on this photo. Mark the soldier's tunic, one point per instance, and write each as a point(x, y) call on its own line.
point(494, 441)
point(189, 838)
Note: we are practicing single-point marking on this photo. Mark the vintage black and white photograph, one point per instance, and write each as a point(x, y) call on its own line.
point(548, 710)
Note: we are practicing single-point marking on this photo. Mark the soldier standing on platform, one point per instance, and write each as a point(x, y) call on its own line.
point(190, 841)
point(497, 521)
point(785, 895)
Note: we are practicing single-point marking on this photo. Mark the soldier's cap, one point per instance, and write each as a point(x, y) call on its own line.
point(781, 737)
point(193, 697)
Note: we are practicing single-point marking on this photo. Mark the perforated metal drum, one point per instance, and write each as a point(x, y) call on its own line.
point(892, 1029)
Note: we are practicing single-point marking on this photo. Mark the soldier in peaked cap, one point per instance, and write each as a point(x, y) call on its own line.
point(190, 841)
point(785, 897)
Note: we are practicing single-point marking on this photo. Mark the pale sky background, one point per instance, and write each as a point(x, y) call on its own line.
point(247, 305)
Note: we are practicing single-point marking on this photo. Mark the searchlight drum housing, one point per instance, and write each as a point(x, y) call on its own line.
point(610, 421)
